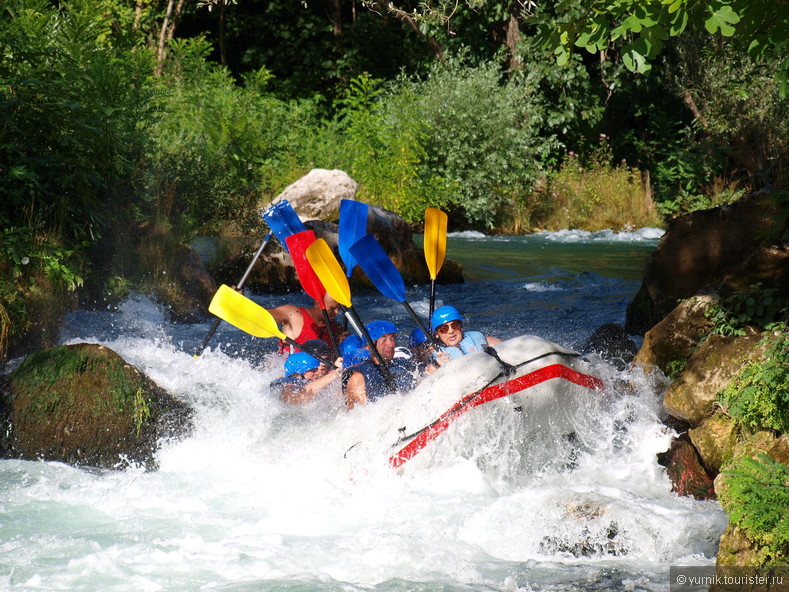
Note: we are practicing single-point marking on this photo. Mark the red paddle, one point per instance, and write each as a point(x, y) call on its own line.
point(297, 245)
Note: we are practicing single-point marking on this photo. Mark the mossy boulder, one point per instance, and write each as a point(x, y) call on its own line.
point(714, 440)
point(712, 366)
point(83, 404)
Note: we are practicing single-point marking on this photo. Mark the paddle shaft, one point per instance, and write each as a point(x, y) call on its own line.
point(432, 300)
point(335, 348)
point(419, 324)
point(239, 285)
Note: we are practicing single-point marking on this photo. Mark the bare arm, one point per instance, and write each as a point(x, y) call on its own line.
point(294, 395)
point(288, 316)
point(356, 391)
point(492, 340)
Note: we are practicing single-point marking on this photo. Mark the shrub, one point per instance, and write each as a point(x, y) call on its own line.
point(756, 496)
point(477, 135)
point(758, 396)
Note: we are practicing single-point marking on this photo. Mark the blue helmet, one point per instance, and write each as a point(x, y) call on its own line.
point(378, 329)
point(299, 363)
point(444, 314)
point(354, 357)
point(417, 337)
point(350, 343)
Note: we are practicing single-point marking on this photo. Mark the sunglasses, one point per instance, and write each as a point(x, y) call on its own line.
point(454, 325)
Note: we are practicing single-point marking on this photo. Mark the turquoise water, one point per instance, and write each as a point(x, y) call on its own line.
point(263, 497)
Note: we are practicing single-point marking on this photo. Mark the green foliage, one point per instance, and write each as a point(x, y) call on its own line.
point(71, 93)
point(478, 135)
point(759, 395)
point(756, 497)
point(216, 147)
point(641, 28)
point(756, 306)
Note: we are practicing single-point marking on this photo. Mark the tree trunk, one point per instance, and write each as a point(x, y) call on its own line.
point(167, 32)
point(336, 17)
point(513, 37)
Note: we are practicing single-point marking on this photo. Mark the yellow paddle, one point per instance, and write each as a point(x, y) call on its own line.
point(331, 275)
point(250, 317)
point(435, 247)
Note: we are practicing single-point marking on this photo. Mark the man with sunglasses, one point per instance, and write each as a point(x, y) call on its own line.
point(447, 324)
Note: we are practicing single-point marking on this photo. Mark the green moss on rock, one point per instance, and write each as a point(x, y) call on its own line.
point(83, 404)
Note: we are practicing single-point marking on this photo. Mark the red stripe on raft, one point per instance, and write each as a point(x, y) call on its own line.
point(492, 393)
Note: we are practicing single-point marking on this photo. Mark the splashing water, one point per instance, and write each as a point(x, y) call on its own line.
point(263, 496)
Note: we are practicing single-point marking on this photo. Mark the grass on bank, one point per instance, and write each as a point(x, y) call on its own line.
point(593, 196)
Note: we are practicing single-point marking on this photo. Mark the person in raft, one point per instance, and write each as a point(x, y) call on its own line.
point(302, 324)
point(447, 324)
point(421, 348)
point(304, 378)
point(368, 381)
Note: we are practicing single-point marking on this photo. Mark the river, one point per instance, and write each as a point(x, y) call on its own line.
point(260, 497)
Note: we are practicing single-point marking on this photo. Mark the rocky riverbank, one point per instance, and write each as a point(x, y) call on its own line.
point(715, 300)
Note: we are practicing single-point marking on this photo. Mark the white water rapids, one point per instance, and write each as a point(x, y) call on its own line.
point(261, 497)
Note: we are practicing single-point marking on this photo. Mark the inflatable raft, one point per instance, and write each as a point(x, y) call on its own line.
point(543, 383)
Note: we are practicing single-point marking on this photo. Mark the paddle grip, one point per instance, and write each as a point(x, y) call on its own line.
point(239, 285)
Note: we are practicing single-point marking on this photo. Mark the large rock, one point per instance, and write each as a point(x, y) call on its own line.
point(83, 404)
point(317, 195)
point(671, 342)
point(714, 440)
point(717, 360)
point(701, 249)
point(684, 468)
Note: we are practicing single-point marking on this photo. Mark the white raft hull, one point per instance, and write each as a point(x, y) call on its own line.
point(547, 383)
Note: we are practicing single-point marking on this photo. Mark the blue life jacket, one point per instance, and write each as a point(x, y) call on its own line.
point(403, 371)
point(473, 341)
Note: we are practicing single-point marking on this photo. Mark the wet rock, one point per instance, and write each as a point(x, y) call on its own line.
point(613, 344)
point(714, 440)
point(684, 468)
point(84, 405)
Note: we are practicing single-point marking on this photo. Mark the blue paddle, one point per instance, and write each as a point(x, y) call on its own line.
point(283, 221)
point(353, 226)
point(383, 273)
